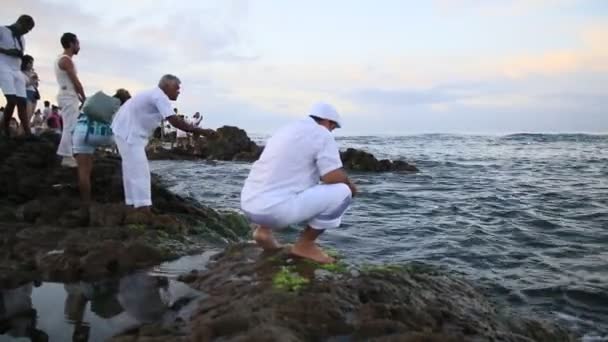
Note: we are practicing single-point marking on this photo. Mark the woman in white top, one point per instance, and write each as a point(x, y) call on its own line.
point(31, 84)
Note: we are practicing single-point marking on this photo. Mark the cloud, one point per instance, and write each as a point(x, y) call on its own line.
point(129, 51)
point(502, 8)
point(208, 44)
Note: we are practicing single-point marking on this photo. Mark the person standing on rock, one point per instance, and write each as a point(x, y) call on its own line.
point(88, 135)
point(133, 126)
point(70, 97)
point(299, 178)
point(12, 80)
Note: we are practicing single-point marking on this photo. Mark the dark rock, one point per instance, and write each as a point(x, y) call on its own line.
point(109, 257)
point(32, 210)
point(7, 214)
point(142, 254)
point(357, 160)
point(45, 235)
point(230, 142)
point(59, 265)
point(399, 165)
point(233, 143)
point(111, 214)
point(397, 303)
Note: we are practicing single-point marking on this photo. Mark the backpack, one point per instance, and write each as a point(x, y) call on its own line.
point(101, 107)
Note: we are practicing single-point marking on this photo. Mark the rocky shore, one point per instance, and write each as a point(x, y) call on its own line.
point(248, 295)
point(233, 144)
point(252, 296)
point(42, 237)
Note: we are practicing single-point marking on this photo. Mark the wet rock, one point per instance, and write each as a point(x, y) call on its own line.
point(59, 265)
point(32, 210)
point(108, 258)
point(248, 156)
point(399, 165)
point(382, 303)
point(230, 142)
point(358, 160)
point(110, 214)
point(142, 254)
point(8, 214)
point(44, 235)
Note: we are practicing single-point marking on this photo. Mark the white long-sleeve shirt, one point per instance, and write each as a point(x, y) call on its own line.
point(137, 119)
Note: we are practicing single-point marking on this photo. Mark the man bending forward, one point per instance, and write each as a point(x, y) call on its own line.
point(299, 178)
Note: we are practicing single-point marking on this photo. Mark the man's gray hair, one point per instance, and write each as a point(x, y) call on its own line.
point(168, 78)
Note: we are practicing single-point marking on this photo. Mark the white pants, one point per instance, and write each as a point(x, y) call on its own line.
point(69, 114)
point(321, 206)
point(12, 82)
point(135, 173)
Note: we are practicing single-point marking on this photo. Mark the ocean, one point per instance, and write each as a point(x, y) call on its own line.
point(525, 216)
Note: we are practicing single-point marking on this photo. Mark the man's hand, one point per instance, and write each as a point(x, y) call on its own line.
point(353, 188)
point(339, 176)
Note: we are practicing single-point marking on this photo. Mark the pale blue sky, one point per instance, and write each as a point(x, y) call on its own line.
point(391, 67)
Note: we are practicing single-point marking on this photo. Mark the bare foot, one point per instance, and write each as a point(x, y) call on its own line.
point(311, 251)
point(263, 237)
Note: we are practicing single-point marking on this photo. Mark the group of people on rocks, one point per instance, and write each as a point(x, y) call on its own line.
point(298, 178)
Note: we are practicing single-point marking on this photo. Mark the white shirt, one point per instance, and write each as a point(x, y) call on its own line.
point(66, 86)
point(294, 159)
point(46, 112)
point(8, 41)
point(137, 119)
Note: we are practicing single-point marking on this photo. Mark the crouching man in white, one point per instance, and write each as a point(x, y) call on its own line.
point(299, 178)
point(133, 125)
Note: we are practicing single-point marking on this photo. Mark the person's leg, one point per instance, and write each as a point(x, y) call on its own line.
point(23, 117)
point(69, 113)
point(85, 166)
point(321, 205)
point(21, 95)
point(264, 238)
point(31, 107)
point(141, 179)
point(8, 84)
point(11, 103)
point(136, 174)
point(123, 150)
point(327, 204)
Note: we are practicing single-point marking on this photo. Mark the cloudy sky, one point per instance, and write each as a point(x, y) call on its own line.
point(390, 67)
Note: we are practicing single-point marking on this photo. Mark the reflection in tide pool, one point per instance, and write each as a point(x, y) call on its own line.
point(96, 311)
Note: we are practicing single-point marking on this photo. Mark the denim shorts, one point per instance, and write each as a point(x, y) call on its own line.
point(31, 96)
point(87, 136)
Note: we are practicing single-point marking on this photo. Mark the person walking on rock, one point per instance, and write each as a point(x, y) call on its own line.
point(70, 96)
point(12, 80)
point(133, 126)
point(299, 178)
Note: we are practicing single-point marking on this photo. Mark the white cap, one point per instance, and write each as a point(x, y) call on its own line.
point(326, 111)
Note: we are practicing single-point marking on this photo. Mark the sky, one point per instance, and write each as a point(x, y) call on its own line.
point(390, 67)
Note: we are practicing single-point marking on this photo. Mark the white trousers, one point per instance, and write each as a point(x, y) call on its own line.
point(69, 114)
point(12, 82)
point(135, 173)
point(321, 206)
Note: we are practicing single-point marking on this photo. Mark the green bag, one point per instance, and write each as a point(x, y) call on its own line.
point(101, 107)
